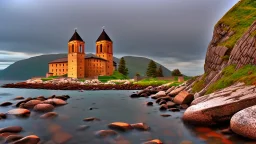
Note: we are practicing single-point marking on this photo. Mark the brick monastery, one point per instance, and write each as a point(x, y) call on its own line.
point(80, 65)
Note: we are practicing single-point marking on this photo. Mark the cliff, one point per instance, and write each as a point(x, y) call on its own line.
point(233, 43)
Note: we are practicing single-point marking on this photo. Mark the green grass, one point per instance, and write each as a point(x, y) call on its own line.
point(199, 85)
point(152, 81)
point(46, 79)
point(239, 19)
point(246, 74)
point(116, 75)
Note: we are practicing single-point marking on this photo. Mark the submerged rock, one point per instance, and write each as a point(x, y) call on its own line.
point(149, 103)
point(220, 106)
point(18, 98)
point(61, 137)
point(11, 129)
point(12, 138)
point(140, 126)
point(5, 104)
point(244, 122)
point(155, 141)
point(49, 115)
point(163, 107)
point(120, 126)
point(82, 127)
point(165, 115)
point(31, 139)
point(105, 133)
point(91, 119)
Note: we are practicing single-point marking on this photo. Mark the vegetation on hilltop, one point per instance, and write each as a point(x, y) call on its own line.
point(115, 76)
point(239, 19)
point(230, 75)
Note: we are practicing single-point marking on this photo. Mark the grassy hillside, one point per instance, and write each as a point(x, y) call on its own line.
point(239, 19)
point(38, 66)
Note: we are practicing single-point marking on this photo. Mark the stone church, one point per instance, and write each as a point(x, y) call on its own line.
point(79, 65)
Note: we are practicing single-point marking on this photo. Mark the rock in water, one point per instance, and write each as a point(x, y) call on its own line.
point(5, 104)
point(49, 115)
point(31, 139)
point(120, 126)
point(149, 103)
point(11, 129)
point(183, 98)
point(141, 126)
point(220, 106)
point(19, 112)
point(91, 119)
point(30, 104)
point(105, 133)
point(55, 101)
point(18, 98)
point(44, 107)
point(155, 141)
point(244, 122)
point(176, 91)
point(12, 138)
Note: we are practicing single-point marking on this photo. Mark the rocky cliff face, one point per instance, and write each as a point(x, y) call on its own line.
point(244, 52)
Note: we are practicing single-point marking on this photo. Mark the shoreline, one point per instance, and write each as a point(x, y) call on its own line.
point(67, 86)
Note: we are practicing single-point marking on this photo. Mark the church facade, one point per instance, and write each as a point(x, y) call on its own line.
point(79, 65)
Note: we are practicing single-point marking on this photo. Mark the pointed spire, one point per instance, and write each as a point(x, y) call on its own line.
point(76, 36)
point(103, 36)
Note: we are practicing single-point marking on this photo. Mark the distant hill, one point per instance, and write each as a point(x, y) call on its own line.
point(38, 66)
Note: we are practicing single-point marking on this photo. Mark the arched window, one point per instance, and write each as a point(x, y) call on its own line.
point(81, 49)
point(100, 47)
point(72, 48)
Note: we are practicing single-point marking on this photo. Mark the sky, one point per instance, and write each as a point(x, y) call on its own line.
point(174, 33)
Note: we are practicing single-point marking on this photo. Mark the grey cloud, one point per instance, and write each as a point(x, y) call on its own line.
point(179, 29)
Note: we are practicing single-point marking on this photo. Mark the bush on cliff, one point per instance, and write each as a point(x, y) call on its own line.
point(199, 85)
point(230, 75)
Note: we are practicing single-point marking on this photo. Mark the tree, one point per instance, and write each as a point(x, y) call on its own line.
point(137, 74)
point(176, 72)
point(160, 72)
point(122, 67)
point(151, 70)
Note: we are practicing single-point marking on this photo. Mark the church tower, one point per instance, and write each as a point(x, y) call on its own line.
point(76, 55)
point(104, 49)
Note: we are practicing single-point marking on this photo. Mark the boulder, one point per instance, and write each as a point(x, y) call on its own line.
point(91, 119)
point(220, 106)
point(155, 141)
point(120, 126)
point(31, 139)
point(167, 98)
point(2, 116)
point(171, 104)
point(55, 101)
point(11, 129)
point(134, 95)
point(105, 133)
point(158, 95)
point(140, 126)
point(18, 98)
point(170, 89)
point(183, 98)
point(183, 106)
point(49, 115)
point(43, 107)
point(19, 112)
point(12, 138)
point(176, 91)
point(5, 104)
point(162, 102)
point(31, 103)
point(244, 122)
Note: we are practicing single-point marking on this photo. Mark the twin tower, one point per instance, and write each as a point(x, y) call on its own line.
point(79, 65)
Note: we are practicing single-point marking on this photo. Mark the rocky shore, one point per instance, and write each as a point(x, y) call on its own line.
point(67, 86)
point(234, 106)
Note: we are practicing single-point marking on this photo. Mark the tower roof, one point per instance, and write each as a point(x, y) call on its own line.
point(103, 36)
point(76, 36)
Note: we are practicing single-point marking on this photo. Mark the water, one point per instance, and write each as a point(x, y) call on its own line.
point(113, 106)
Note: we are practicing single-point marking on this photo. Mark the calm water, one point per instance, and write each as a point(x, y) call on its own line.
point(112, 106)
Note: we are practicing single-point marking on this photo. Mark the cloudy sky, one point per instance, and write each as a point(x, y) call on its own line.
point(175, 33)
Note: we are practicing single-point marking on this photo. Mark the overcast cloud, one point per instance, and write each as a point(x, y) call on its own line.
point(175, 33)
